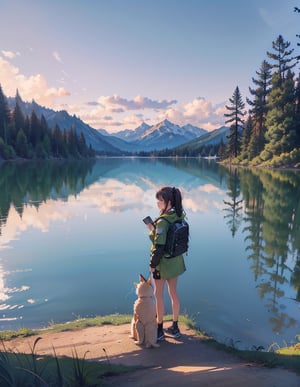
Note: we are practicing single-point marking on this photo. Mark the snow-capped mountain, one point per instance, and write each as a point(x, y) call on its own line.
point(167, 135)
point(133, 135)
point(163, 135)
point(144, 138)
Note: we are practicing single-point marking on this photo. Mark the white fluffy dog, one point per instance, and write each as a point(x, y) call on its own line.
point(143, 324)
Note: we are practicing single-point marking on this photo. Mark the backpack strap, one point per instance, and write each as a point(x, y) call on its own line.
point(162, 217)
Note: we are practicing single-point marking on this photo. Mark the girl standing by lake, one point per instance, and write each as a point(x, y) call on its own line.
point(166, 269)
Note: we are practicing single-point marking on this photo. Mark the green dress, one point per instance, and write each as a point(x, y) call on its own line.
point(172, 267)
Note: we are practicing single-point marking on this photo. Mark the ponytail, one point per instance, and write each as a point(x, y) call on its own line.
point(177, 201)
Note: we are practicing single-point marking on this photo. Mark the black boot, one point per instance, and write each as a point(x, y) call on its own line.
point(173, 330)
point(160, 332)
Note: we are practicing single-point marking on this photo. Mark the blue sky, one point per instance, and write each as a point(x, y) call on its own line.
point(118, 63)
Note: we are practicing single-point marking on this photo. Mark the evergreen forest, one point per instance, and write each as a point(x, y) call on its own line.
point(268, 134)
point(28, 137)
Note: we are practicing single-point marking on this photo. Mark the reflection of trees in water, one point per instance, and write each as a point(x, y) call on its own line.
point(254, 206)
point(209, 170)
point(295, 279)
point(272, 232)
point(295, 240)
point(234, 206)
point(35, 182)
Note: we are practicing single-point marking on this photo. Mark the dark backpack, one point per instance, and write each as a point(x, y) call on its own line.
point(177, 242)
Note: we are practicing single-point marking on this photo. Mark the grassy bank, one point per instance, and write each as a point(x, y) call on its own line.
point(20, 369)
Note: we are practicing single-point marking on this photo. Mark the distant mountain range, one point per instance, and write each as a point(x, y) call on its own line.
point(144, 138)
point(163, 135)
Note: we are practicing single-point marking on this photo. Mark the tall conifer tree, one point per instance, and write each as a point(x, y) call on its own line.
point(246, 136)
point(282, 57)
point(259, 107)
point(281, 117)
point(235, 118)
point(4, 116)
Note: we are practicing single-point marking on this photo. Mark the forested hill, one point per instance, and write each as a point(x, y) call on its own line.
point(30, 137)
point(270, 136)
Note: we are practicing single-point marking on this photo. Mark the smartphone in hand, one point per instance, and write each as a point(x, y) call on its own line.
point(148, 220)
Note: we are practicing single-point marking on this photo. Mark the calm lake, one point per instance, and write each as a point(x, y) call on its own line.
point(72, 244)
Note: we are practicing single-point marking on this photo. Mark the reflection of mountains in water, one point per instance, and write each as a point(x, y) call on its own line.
point(35, 182)
point(188, 173)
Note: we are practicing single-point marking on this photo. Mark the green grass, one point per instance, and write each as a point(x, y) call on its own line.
point(79, 323)
point(287, 358)
point(18, 369)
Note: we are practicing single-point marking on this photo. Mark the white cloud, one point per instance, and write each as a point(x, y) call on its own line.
point(137, 103)
point(9, 54)
point(199, 112)
point(200, 107)
point(102, 114)
point(31, 87)
point(56, 56)
point(112, 113)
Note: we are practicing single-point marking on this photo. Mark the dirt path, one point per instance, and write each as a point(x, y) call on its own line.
point(186, 361)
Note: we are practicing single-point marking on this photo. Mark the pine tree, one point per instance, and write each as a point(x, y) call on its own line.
point(297, 112)
point(57, 142)
point(246, 136)
point(281, 118)
point(259, 107)
point(296, 9)
point(18, 121)
point(82, 147)
point(35, 130)
point(72, 142)
point(18, 117)
point(21, 144)
point(235, 118)
point(4, 116)
point(46, 136)
point(282, 57)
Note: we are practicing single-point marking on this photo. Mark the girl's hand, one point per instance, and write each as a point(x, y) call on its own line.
point(150, 226)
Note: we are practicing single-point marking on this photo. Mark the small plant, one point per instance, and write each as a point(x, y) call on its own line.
point(59, 378)
point(231, 343)
point(14, 373)
point(106, 356)
point(272, 346)
point(257, 348)
point(33, 365)
point(6, 369)
point(80, 370)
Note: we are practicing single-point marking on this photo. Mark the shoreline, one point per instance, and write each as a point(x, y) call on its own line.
point(191, 359)
point(117, 320)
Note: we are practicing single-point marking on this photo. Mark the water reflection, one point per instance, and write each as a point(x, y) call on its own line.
point(34, 183)
point(272, 238)
point(233, 207)
point(244, 241)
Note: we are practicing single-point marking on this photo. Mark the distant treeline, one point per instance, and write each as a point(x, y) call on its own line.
point(29, 137)
point(191, 149)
